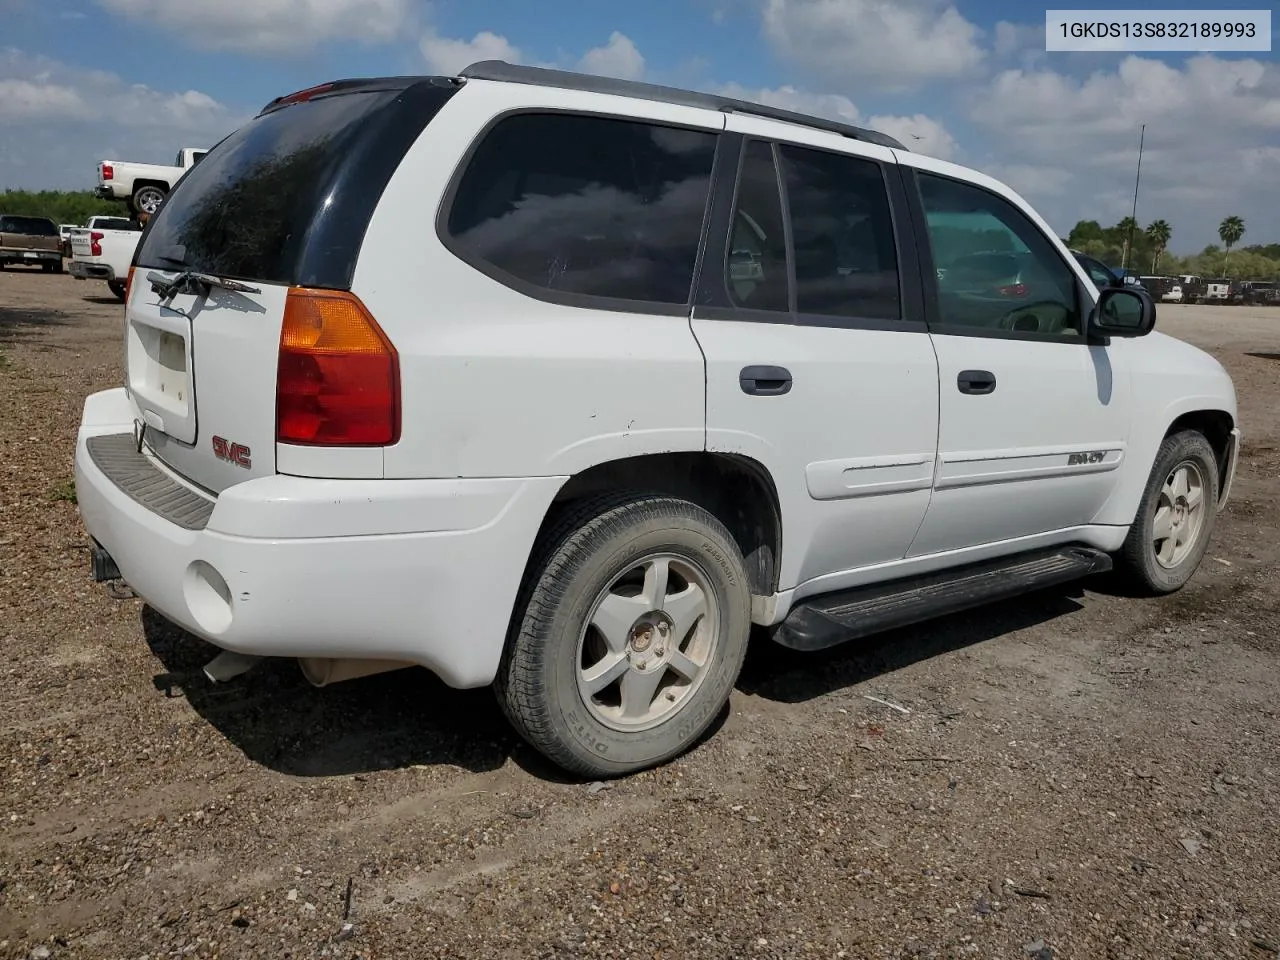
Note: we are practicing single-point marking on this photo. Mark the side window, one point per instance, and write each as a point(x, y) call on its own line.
point(846, 264)
point(586, 205)
point(995, 268)
point(757, 259)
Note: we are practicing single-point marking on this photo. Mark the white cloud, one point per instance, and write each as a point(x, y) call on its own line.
point(269, 26)
point(894, 44)
point(617, 58)
point(60, 121)
point(918, 133)
point(449, 55)
point(830, 105)
point(1071, 143)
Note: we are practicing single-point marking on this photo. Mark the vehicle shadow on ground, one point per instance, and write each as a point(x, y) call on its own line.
point(23, 321)
point(787, 676)
point(106, 300)
point(1264, 356)
point(384, 722)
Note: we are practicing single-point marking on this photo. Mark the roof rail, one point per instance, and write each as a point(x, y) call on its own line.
point(540, 76)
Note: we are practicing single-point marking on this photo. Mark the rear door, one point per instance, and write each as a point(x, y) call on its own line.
point(282, 202)
point(819, 365)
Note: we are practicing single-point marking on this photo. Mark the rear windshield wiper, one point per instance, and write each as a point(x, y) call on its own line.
point(194, 283)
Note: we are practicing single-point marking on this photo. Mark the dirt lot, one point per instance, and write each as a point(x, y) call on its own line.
point(1078, 774)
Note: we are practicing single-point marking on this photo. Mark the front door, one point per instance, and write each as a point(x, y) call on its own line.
point(819, 364)
point(1033, 420)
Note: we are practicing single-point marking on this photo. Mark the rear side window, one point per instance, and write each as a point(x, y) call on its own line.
point(29, 226)
point(287, 197)
point(846, 264)
point(573, 205)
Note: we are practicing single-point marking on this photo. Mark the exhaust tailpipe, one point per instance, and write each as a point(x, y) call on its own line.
point(323, 671)
point(227, 666)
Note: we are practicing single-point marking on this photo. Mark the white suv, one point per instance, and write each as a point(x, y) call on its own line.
point(653, 367)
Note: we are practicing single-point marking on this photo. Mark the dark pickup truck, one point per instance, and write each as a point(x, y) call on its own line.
point(33, 241)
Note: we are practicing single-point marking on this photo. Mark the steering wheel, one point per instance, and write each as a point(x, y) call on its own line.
point(1031, 317)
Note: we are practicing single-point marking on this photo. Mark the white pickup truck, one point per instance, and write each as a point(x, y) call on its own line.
point(143, 185)
point(103, 250)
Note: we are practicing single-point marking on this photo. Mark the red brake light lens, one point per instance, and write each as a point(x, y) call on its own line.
point(302, 96)
point(95, 243)
point(108, 171)
point(128, 284)
point(338, 376)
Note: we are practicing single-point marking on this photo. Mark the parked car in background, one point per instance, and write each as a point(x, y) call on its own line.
point(31, 241)
point(1221, 290)
point(143, 186)
point(684, 364)
point(104, 250)
point(64, 237)
point(1260, 293)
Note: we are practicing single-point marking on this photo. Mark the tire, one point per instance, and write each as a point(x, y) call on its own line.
point(146, 198)
point(589, 568)
point(1169, 568)
point(117, 288)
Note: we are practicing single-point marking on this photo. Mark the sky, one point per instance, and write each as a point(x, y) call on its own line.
point(969, 81)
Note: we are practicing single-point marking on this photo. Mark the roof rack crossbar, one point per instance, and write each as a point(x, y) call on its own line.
point(500, 70)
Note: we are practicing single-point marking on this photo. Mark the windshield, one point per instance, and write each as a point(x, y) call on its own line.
point(31, 226)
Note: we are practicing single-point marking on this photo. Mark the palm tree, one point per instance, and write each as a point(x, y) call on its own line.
point(1159, 233)
point(1126, 228)
point(1229, 232)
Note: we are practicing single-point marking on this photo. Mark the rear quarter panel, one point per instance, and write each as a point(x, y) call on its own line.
point(498, 384)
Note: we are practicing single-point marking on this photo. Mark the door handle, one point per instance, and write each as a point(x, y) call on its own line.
point(976, 381)
point(765, 381)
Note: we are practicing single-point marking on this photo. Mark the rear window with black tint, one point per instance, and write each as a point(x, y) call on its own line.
point(287, 197)
point(591, 206)
point(116, 223)
point(28, 226)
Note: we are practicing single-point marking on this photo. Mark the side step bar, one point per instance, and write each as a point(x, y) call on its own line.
point(834, 618)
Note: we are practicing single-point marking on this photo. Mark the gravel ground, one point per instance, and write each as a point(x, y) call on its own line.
point(1076, 774)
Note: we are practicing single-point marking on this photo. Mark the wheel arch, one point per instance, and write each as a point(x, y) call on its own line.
point(737, 490)
point(1216, 427)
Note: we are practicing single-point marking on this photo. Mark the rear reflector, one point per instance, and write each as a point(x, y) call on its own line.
point(128, 284)
point(338, 376)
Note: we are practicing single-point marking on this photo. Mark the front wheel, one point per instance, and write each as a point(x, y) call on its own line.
point(633, 629)
point(1171, 531)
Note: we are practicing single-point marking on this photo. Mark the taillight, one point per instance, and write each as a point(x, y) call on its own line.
point(338, 376)
point(108, 172)
point(128, 284)
point(1017, 290)
point(302, 96)
point(95, 243)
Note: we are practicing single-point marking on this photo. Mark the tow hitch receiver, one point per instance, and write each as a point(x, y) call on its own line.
point(104, 568)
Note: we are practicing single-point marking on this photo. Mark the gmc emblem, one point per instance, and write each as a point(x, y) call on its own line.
point(232, 452)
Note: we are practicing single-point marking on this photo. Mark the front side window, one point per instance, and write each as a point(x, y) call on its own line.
point(586, 205)
point(996, 270)
point(846, 264)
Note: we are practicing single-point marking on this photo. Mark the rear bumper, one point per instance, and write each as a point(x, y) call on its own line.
point(424, 571)
point(83, 270)
point(14, 255)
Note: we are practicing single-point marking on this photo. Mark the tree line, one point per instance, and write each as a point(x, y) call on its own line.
point(1149, 253)
point(60, 206)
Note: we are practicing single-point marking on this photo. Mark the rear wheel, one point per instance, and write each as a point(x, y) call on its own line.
point(633, 628)
point(1175, 519)
point(147, 199)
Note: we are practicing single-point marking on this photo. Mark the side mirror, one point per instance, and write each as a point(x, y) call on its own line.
point(1123, 312)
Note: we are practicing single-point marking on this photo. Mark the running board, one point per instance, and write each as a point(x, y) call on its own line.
point(826, 620)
